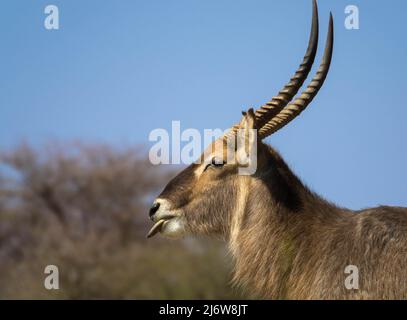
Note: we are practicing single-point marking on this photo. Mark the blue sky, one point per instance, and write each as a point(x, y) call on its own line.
point(118, 69)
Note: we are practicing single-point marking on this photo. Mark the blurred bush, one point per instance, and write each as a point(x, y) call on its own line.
point(84, 209)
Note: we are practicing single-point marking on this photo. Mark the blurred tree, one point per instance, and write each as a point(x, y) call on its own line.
point(84, 209)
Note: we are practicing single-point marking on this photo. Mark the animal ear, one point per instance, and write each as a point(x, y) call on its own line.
point(246, 147)
point(248, 120)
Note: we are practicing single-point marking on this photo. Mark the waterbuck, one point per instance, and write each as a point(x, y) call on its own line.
point(286, 241)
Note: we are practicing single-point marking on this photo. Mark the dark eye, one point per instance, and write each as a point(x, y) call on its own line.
point(215, 162)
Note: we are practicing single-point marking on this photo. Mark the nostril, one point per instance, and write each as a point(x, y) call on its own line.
point(154, 208)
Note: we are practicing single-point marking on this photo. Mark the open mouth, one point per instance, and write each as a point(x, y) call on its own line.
point(157, 227)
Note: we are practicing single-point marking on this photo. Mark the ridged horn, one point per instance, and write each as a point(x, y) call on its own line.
point(271, 108)
point(293, 109)
point(277, 103)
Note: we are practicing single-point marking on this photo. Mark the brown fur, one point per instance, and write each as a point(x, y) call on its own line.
point(289, 243)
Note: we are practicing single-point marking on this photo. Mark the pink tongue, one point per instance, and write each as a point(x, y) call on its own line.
point(156, 228)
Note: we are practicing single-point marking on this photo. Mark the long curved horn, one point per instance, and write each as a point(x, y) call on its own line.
point(299, 104)
point(277, 103)
point(271, 108)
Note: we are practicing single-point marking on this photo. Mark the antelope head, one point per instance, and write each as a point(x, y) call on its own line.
point(209, 196)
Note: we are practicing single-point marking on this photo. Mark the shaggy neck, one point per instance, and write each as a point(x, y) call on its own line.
point(279, 225)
